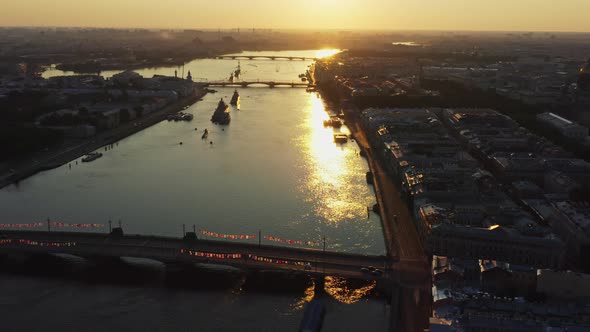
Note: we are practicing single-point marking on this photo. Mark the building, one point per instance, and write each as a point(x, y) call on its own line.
point(496, 243)
point(571, 222)
point(584, 77)
point(563, 284)
point(563, 126)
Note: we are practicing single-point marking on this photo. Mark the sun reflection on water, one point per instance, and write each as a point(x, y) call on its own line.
point(339, 289)
point(308, 295)
point(332, 186)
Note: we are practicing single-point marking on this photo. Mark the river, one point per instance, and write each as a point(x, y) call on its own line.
point(274, 169)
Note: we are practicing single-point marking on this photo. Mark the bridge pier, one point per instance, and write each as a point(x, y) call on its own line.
point(319, 285)
point(394, 308)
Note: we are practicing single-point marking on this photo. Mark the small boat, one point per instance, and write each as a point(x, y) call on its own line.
point(91, 157)
point(235, 99)
point(205, 134)
point(180, 116)
point(333, 122)
point(336, 122)
point(340, 138)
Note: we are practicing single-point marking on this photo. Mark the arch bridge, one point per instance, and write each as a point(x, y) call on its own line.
point(264, 57)
point(192, 250)
point(270, 84)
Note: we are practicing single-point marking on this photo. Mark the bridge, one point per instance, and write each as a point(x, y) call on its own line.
point(267, 57)
point(170, 250)
point(245, 84)
point(406, 282)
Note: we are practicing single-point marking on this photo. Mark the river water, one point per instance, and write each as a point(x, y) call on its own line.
point(274, 169)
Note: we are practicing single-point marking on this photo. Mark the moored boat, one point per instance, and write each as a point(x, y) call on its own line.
point(235, 99)
point(340, 138)
point(91, 157)
point(336, 122)
point(180, 116)
point(221, 115)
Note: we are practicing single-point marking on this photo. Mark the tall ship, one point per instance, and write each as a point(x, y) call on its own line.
point(235, 99)
point(221, 115)
point(238, 71)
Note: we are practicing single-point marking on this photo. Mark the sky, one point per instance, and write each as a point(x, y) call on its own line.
point(486, 15)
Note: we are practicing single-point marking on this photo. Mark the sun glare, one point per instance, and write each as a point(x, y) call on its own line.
point(326, 53)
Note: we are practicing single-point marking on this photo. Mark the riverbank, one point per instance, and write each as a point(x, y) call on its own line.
point(401, 237)
point(64, 154)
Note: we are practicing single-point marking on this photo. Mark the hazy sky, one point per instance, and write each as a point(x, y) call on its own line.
point(543, 15)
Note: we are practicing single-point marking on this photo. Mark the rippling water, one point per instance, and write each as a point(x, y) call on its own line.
point(275, 168)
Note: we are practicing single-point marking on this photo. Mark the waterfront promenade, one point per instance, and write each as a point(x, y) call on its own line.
point(61, 155)
point(399, 230)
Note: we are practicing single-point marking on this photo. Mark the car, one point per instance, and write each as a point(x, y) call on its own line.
point(372, 268)
point(307, 266)
point(376, 272)
point(364, 270)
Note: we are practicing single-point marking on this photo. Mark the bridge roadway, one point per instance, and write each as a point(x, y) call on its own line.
point(176, 250)
point(245, 84)
point(258, 57)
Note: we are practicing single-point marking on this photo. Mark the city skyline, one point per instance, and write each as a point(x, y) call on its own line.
point(503, 15)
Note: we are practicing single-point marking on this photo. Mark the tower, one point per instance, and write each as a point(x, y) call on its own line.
point(584, 78)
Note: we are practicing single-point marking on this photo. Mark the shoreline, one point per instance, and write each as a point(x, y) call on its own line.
point(61, 157)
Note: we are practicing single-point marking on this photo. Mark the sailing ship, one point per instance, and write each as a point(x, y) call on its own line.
point(235, 99)
point(221, 115)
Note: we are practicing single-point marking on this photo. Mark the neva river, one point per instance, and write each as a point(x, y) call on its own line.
point(275, 168)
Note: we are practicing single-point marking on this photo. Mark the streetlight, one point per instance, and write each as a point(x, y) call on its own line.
point(324, 253)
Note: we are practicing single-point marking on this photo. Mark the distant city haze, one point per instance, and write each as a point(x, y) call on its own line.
point(484, 15)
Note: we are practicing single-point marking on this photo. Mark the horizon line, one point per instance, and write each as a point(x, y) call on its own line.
point(275, 29)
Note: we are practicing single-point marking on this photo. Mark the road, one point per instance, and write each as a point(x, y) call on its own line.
point(400, 233)
point(411, 297)
point(177, 250)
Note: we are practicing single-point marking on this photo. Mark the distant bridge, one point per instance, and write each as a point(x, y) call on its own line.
point(268, 57)
point(176, 250)
point(270, 84)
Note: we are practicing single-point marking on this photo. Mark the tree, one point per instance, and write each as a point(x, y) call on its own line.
point(139, 111)
point(124, 115)
point(83, 111)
